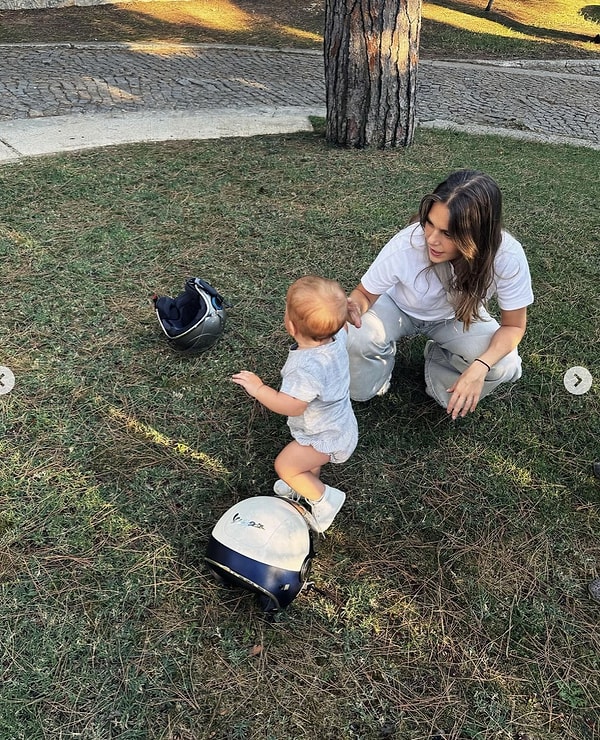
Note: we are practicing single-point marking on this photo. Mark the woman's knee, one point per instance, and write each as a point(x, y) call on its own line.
point(507, 369)
point(369, 341)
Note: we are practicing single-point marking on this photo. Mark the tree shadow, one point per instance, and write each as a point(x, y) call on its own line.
point(536, 32)
point(591, 13)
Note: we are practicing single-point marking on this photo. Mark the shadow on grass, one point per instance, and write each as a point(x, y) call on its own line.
point(440, 41)
point(175, 22)
point(538, 32)
point(271, 24)
point(591, 13)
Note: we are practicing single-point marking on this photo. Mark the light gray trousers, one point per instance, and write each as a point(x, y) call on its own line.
point(372, 350)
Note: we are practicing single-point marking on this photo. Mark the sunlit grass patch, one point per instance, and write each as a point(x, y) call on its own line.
point(464, 21)
point(506, 18)
point(222, 15)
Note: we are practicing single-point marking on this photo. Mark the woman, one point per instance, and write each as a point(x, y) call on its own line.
point(435, 278)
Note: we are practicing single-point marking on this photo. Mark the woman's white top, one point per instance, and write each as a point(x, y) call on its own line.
point(401, 271)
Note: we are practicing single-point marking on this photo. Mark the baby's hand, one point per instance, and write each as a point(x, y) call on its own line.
point(249, 382)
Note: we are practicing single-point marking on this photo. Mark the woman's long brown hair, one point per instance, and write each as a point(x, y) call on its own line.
point(474, 203)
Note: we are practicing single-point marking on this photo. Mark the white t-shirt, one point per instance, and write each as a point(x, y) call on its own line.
point(400, 270)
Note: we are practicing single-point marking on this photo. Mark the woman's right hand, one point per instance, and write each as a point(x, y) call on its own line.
point(354, 313)
point(359, 301)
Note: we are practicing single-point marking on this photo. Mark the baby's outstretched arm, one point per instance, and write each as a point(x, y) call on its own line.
point(250, 382)
point(274, 400)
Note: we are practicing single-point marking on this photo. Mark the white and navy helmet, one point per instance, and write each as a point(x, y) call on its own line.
point(263, 544)
point(195, 319)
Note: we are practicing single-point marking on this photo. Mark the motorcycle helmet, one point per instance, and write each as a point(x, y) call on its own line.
point(263, 544)
point(195, 319)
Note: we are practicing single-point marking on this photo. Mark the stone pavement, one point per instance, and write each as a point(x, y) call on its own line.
point(57, 97)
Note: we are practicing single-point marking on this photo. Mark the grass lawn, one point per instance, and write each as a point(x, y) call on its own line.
point(452, 598)
point(450, 28)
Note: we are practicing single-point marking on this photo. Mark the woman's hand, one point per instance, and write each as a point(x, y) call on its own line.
point(466, 392)
point(359, 301)
point(250, 382)
point(354, 313)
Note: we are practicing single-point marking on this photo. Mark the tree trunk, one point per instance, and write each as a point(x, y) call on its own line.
point(371, 53)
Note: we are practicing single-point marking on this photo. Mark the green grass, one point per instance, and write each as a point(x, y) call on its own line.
point(452, 587)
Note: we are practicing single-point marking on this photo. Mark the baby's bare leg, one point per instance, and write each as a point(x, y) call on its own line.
point(300, 467)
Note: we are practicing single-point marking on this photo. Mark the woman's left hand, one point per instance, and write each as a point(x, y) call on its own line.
point(467, 390)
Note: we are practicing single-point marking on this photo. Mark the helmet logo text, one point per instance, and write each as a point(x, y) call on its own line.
point(237, 519)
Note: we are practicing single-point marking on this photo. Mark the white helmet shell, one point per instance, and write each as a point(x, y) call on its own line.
point(263, 544)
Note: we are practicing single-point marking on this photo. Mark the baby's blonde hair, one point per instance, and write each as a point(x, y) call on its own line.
point(317, 306)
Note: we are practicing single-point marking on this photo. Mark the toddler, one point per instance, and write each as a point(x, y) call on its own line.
point(314, 395)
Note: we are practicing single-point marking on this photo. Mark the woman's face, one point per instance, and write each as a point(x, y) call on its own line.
point(440, 246)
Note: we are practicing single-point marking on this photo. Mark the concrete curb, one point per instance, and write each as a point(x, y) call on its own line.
point(510, 133)
point(42, 136)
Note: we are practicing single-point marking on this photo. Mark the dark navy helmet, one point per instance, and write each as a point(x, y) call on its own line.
point(195, 319)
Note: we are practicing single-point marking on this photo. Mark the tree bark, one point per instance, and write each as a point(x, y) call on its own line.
point(371, 50)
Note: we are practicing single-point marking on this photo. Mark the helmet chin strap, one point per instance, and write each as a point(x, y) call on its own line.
point(208, 288)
